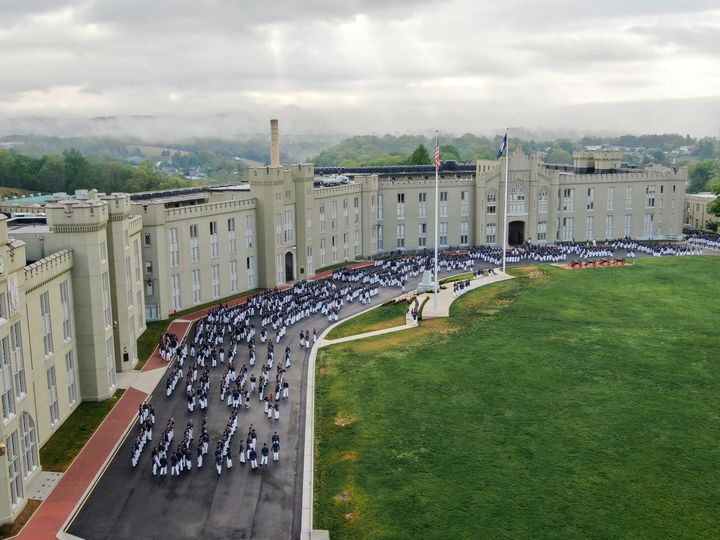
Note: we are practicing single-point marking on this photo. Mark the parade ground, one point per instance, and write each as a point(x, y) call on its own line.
point(561, 403)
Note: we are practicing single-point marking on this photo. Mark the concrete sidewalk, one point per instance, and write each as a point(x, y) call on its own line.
point(446, 296)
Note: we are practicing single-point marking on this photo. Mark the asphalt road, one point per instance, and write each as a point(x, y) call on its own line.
point(128, 503)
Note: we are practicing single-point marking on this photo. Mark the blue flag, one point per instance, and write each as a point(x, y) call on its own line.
point(503, 146)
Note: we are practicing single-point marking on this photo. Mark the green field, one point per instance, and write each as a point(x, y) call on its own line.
point(561, 404)
point(385, 316)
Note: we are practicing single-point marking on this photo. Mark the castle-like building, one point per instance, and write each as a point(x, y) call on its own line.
point(81, 275)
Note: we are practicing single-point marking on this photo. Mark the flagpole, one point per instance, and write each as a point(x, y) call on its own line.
point(505, 206)
point(437, 176)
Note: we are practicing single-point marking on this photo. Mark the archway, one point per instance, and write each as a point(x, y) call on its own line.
point(516, 233)
point(289, 266)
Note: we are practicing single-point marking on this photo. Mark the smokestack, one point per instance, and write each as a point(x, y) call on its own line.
point(274, 143)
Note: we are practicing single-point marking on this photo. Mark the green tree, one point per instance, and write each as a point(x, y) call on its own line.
point(558, 155)
point(702, 174)
point(419, 157)
point(78, 171)
point(714, 207)
point(51, 176)
point(705, 148)
point(448, 151)
point(565, 144)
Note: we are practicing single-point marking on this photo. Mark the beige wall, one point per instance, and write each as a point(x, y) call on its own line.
point(697, 214)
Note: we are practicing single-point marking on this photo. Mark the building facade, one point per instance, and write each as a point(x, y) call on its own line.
point(697, 210)
point(79, 276)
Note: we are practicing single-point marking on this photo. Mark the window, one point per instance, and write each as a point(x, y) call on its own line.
point(443, 204)
point(322, 252)
point(3, 308)
point(422, 205)
point(279, 268)
point(47, 323)
point(147, 240)
point(589, 228)
point(517, 200)
point(611, 198)
point(333, 223)
point(215, 271)
point(491, 208)
point(70, 366)
point(6, 380)
point(126, 239)
point(649, 196)
point(401, 206)
point(590, 199)
point(443, 233)
point(233, 277)
point(628, 197)
point(214, 242)
point(141, 321)
point(380, 240)
point(194, 244)
point(174, 248)
point(542, 230)
point(289, 229)
point(334, 249)
point(110, 357)
point(29, 443)
point(136, 249)
point(106, 300)
point(357, 242)
point(356, 207)
point(249, 231)
point(346, 220)
point(52, 396)
point(490, 233)
point(103, 252)
point(628, 225)
point(175, 281)
point(196, 286)
point(322, 219)
point(401, 235)
point(232, 243)
point(251, 272)
point(13, 459)
point(345, 245)
point(310, 266)
point(568, 229)
point(278, 228)
point(148, 267)
point(422, 234)
point(648, 225)
point(380, 211)
point(568, 201)
point(464, 228)
point(543, 198)
point(128, 282)
point(65, 305)
point(18, 360)
point(464, 203)
point(608, 227)
point(308, 224)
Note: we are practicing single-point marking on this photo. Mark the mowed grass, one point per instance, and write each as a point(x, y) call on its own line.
point(385, 316)
point(561, 404)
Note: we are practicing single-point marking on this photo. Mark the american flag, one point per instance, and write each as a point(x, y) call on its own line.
point(437, 155)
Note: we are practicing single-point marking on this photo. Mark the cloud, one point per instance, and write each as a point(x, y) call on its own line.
point(367, 65)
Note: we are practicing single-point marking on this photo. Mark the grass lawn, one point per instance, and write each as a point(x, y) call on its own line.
point(11, 529)
point(561, 404)
point(385, 316)
point(59, 451)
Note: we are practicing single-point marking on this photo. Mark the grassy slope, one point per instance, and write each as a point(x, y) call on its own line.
point(578, 404)
point(385, 316)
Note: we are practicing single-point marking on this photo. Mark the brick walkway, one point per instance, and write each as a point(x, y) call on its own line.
point(49, 518)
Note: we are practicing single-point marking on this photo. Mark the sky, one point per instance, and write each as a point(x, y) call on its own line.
point(177, 68)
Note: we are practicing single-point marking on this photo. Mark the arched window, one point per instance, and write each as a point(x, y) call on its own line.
point(517, 199)
point(543, 198)
point(491, 207)
point(29, 444)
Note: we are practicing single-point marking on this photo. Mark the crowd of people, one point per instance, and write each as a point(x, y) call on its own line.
point(703, 239)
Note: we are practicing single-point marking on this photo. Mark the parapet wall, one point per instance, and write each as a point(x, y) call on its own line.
point(47, 269)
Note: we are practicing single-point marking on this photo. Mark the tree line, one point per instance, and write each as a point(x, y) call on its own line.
point(71, 170)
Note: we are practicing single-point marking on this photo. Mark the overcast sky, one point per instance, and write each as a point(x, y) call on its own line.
point(221, 67)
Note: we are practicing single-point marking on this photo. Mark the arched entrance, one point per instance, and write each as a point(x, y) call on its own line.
point(516, 233)
point(289, 266)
